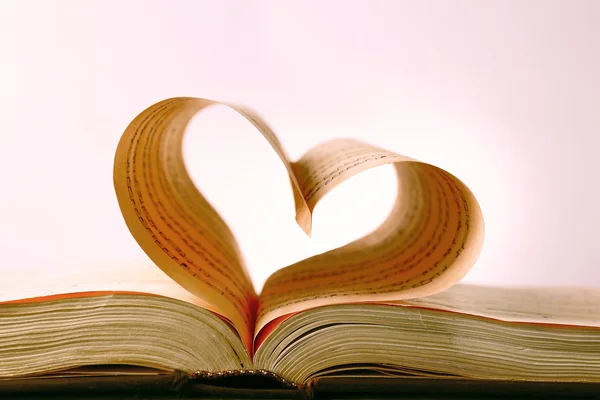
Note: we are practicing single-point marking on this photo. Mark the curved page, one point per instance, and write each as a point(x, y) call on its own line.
point(171, 220)
point(429, 241)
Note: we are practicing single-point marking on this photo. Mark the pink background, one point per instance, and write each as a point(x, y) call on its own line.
point(504, 94)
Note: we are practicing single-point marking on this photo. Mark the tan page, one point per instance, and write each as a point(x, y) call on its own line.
point(171, 220)
point(429, 241)
point(548, 305)
point(127, 277)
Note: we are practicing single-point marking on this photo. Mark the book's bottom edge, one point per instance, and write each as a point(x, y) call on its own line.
point(248, 386)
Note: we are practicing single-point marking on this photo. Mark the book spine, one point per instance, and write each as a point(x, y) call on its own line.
point(212, 375)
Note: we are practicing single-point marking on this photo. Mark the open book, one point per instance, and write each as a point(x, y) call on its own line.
point(387, 304)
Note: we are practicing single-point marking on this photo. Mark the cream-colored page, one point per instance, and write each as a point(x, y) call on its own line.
point(171, 220)
point(578, 306)
point(135, 276)
point(429, 241)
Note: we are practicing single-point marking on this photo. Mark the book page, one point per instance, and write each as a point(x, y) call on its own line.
point(429, 241)
point(171, 220)
point(544, 305)
point(123, 277)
